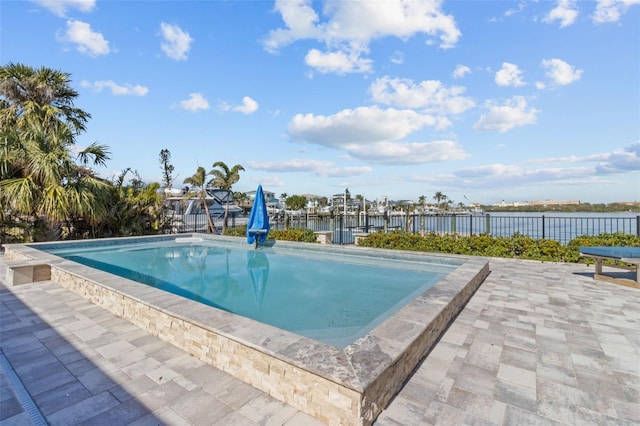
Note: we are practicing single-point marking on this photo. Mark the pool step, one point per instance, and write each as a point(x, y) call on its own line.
point(26, 271)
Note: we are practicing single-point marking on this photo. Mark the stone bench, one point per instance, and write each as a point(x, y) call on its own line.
point(26, 271)
point(359, 236)
point(324, 237)
point(629, 255)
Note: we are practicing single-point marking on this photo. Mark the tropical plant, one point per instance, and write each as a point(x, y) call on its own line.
point(224, 178)
point(439, 196)
point(199, 181)
point(41, 182)
point(167, 168)
point(134, 208)
point(296, 202)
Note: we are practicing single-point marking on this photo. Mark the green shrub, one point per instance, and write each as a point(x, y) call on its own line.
point(606, 240)
point(517, 246)
point(301, 235)
point(237, 231)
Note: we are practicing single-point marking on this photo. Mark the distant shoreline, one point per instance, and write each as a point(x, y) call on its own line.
point(577, 208)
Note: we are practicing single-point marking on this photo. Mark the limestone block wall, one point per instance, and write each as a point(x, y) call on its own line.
point(330, 402)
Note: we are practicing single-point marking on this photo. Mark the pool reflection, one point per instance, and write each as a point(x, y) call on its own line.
point(258, 267)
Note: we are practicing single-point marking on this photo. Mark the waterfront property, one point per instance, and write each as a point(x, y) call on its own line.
point(562, 227)
point(537, 343)
point(349, 385)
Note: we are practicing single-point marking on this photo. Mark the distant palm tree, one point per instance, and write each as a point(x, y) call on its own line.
point(439, 196)
point(224, 178)
point(199, 180)
point(422, 199)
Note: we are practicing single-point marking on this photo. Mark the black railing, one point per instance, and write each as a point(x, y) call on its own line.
point(560, 228)
point(345, 228)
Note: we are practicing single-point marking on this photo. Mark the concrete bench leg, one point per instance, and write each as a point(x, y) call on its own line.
point(598, 266)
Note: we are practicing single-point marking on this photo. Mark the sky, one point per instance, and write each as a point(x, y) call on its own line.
point(482, 101)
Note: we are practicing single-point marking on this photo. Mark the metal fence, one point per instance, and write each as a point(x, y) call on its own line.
point(560, 228)
point(346, 227)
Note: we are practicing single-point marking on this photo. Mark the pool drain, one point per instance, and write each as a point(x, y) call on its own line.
point(21, 393)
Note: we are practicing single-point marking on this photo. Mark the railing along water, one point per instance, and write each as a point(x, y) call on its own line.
point(560, 228)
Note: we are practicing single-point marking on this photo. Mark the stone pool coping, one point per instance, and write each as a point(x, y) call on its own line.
point(337, 386)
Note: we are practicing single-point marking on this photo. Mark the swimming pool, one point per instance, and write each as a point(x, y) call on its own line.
point(339, 385)
point(302, 291)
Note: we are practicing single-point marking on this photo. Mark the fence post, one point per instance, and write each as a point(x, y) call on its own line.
point(543, 227)
point(386, 221)
point(471, 224)
point(453, 223)
point(487, 224)
point(406, 221)
point(638, 226)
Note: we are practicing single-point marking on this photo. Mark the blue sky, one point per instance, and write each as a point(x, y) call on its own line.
point(481, 100)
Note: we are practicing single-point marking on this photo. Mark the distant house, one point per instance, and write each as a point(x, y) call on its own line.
point(274, 205)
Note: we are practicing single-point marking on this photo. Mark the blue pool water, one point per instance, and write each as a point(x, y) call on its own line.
point(331, 299)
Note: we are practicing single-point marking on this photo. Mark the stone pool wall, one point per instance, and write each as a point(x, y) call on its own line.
point(338, 387)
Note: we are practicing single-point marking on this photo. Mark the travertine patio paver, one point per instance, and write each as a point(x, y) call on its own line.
point(539, 343)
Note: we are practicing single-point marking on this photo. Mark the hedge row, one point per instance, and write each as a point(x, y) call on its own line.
point(517, 246)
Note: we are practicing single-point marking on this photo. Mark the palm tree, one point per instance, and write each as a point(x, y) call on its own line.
point(167, 168)
point(439, 196)
point(422, 199)
point(224, 178)
point(198, 180)
point(134, 208)
point(40, 181)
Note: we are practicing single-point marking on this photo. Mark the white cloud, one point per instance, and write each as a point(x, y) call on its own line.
point(60, 7)
point(509, 75)
point(512, 175)
point(514, 113)
point(176, 42)
point(429, 95)
point(560, 72)
point(460, 71)
point(565, 11)
point(521, 7)
point(374, 134)
point(611, 10)
point(292, 165)
point(300, 23)
point(116, 89)
point(574, 170)
point(316, 167)
point(349, 27)
point(362, 125)
point(387, 152)
point(269, 181)
point(86, 40)
point(620, 160)
point(195, 102)
point(248, 106)
point(397, 58)
point(339, 62)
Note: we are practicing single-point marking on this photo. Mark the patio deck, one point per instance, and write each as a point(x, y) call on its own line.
point(539, 343)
